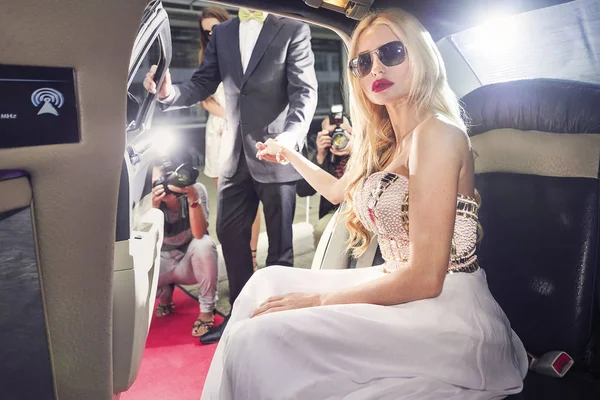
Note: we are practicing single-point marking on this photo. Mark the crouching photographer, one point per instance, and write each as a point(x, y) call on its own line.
point(188, 255)
point(334, 144)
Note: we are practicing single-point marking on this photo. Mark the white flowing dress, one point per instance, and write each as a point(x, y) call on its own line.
point(458, 345)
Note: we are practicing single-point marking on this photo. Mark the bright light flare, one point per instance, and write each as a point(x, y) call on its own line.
point(497, 34)
point(164, 141)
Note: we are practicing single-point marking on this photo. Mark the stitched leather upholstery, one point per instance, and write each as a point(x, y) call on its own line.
point(540, 248)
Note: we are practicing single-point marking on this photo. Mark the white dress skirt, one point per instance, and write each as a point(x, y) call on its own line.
point(455, 346)
point(214, 127)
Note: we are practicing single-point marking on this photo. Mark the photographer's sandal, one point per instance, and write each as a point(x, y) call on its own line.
point(201, 327)
point(164, 309)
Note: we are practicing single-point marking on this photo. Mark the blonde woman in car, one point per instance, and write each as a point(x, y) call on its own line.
point(423, 325)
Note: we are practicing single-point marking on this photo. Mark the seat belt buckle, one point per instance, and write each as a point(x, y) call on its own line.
point(554, 363)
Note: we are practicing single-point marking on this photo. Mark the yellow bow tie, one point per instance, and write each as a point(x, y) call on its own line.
point(245, 15)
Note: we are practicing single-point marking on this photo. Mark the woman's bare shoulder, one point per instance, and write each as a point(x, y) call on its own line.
point(441, 134)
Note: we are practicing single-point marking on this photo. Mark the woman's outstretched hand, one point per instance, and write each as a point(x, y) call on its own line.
point(290, 301)
point(267, 150)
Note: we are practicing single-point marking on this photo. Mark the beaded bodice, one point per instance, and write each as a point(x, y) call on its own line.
point(382, 207)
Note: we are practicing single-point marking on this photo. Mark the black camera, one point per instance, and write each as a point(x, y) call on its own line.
point(182, 176)
point(339, 139)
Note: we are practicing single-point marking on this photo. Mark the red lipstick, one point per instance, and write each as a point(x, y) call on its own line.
point(381, 84)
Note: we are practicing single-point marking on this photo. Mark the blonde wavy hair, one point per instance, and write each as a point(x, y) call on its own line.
point(374, 138)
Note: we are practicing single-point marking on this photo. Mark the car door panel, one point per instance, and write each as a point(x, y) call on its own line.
point(139, 229)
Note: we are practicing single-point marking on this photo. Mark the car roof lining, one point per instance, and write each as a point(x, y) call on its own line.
point(441, 18)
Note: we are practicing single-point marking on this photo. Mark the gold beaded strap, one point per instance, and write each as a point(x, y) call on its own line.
point(384, 183)
point(469, 268)
point(467, 207)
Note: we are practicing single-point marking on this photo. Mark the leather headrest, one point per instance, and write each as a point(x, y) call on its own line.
point(546, 105)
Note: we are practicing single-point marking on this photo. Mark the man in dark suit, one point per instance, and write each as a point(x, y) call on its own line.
point(267, 67)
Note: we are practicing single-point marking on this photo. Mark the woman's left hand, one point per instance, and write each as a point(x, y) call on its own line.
point(288, 301)
point(266, 151)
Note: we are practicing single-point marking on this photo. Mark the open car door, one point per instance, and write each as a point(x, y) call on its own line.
point(64, 73)
point(139, 230)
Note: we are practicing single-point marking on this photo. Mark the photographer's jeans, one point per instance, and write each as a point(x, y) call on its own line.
point(198, 265)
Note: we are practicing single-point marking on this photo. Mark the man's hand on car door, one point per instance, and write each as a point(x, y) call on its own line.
point(166, 87)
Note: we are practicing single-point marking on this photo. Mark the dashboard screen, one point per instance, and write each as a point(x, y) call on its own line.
point(37, 106)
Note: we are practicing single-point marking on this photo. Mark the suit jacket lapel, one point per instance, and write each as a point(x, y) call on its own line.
point(270, 28)
point(233, 38)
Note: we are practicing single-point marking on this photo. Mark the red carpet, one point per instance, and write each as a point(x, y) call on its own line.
point(175, 364)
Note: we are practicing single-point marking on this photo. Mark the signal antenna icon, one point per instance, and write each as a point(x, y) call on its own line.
point(50, 98)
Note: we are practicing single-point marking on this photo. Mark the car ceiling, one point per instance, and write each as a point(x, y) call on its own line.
point(440, 17)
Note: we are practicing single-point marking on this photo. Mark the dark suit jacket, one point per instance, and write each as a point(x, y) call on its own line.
point(278, 92)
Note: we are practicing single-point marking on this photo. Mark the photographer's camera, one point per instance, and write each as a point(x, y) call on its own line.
point(182, 176)
point(339, 139)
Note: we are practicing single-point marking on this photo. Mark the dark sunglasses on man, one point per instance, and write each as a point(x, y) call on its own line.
point(390, 55)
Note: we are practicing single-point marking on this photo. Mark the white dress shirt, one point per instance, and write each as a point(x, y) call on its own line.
point(249, 31)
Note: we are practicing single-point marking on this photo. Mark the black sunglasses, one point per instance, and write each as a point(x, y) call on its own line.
point(208, 34)
point(390, 54)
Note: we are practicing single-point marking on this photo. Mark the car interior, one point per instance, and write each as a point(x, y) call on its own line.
point(80, 244)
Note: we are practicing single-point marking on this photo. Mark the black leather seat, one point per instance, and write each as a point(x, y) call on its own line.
point(538, 145)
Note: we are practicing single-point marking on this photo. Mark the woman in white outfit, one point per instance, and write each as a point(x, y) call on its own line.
point(423, 325)
point(215, 126)
point(215, 105)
